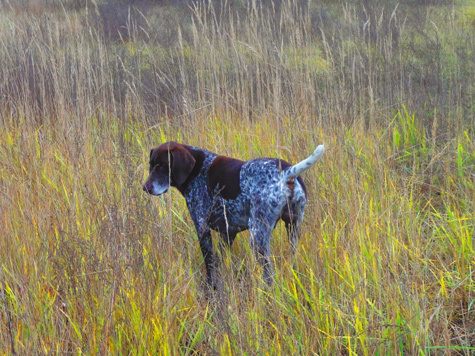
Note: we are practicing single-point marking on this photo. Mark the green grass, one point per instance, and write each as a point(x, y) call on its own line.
point(90, 264)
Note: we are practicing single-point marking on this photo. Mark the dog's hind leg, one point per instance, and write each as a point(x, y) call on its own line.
point(292, 215)
point(293, 231)
point(293, 223)
point(261, 223)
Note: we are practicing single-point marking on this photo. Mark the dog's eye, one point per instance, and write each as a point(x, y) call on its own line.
point(156, 166)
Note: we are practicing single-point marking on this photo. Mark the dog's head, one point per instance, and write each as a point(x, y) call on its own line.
point(170, 165)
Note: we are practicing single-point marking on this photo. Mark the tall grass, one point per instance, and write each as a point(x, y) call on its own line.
point(91, 265)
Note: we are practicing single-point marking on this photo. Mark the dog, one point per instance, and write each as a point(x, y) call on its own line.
point(229, 196)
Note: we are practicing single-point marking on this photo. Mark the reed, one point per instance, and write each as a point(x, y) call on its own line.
point(91, 265)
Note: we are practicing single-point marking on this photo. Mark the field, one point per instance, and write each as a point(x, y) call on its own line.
point(91, 265)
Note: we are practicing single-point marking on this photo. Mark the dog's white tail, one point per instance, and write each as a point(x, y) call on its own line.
point(302, 166)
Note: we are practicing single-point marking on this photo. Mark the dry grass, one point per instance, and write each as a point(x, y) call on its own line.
point(92, 265)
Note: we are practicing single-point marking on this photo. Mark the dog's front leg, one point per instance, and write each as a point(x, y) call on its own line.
point(211, 262)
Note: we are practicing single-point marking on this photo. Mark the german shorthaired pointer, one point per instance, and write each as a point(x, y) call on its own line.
point(228, 195)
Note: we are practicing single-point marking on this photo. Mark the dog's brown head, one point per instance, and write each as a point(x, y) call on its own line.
point(170, 165)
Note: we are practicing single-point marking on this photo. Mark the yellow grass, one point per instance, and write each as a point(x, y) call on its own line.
point(90, 264)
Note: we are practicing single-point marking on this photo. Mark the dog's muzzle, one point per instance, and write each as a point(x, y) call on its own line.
point(152, 189)
point(147, 188)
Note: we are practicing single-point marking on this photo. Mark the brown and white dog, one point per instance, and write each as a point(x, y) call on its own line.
point(228, 195)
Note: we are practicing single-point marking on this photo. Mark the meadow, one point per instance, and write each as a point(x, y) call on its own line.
point(91, 265)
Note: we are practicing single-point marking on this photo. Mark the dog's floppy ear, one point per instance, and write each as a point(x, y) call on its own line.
point(182, 164)
point(151, 153)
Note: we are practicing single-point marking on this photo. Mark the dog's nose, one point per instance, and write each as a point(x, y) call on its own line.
point(145, 188)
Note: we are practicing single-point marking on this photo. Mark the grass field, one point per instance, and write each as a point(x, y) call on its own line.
point(91, 265)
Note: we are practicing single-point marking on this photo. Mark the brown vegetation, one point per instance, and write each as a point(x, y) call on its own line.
point(91, 265)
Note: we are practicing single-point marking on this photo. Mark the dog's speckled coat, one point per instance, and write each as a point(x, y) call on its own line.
point(229, 196)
